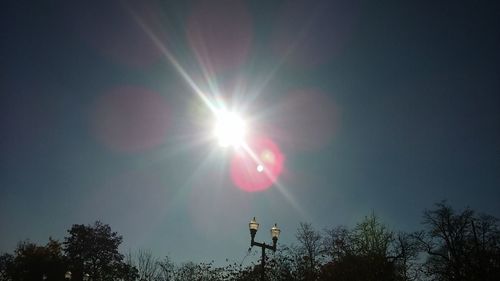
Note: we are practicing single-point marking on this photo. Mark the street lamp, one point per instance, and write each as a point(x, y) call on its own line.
point(275, 233)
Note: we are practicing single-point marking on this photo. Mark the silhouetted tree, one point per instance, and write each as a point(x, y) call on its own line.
point(371, 237)
point(280, 266)
point(307, 253)
point(93, 250)
point(167, 269)
point(406, 253)
point(338, 243)
point(462, 246)
point(360, 254)
point(359, 268)
point(6, 262)
point(190, 271)
point(148, 266)
point(455, 246)
point(33, 262)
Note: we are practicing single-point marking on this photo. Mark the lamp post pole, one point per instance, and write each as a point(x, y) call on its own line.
point(275, 232)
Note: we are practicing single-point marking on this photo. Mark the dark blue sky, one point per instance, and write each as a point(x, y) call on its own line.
point(388, 106)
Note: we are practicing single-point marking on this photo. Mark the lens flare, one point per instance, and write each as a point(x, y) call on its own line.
point(258, 167)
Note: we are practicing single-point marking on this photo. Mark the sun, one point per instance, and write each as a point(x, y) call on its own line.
point(230, 129)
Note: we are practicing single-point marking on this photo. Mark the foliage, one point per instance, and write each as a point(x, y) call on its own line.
point(93, 250)
point(6, 262)
point(453, 246)
point(359, 268)
point(359, 254)
point(33, 262)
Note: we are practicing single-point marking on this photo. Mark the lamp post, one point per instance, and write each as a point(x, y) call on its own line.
point(275, 232)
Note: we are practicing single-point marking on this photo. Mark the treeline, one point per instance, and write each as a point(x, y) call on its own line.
point(452, 246)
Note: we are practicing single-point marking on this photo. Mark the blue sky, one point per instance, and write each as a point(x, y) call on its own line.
point(386, 107)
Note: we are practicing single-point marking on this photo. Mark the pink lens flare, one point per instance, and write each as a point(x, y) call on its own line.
point(130, 119)
point(258, 167)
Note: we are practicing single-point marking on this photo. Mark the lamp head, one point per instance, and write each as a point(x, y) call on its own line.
point(275, 233)
point(253, 226)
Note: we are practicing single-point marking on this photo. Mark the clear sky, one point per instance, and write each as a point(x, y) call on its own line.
point(107, 108)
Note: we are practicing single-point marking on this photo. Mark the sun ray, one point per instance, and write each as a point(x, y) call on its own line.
point(255, 93)
point(188, 185)
point(171, 58)
point(207, 70)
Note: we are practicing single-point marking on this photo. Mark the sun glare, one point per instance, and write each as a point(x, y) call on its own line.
point(230, 129)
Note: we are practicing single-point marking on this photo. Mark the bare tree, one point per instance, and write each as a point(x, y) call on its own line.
point(371, 237)
point(308, 251)
point(460, 245)
point(147, 265)
point(337, 243)
point(167, 269)
point(406, 253)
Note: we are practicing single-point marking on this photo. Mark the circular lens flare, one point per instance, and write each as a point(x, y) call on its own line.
point(230, 129)
point(258, 167)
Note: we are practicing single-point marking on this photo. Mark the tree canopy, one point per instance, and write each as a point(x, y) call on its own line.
point(460, 245)
point(452, 246)
point(93, 250)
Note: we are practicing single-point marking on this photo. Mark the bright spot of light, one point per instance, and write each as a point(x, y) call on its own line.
point(260, 168)
point(230, 129)
point(267, 156)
